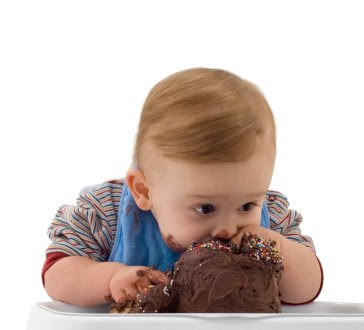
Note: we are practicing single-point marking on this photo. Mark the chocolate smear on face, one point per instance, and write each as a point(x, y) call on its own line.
point(175, 246)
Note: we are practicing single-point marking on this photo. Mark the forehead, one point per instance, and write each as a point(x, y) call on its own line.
point(251, 177)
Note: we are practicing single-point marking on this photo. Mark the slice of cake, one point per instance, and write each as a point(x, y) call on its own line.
point(217, 277)
point(153, 299)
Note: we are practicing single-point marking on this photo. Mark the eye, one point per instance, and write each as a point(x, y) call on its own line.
point(248, 206)
point(205, 208)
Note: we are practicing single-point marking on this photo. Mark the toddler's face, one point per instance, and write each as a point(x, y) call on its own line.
point(193, 202)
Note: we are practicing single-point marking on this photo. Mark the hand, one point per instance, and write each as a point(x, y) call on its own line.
point(128, 281)
point(261, 231)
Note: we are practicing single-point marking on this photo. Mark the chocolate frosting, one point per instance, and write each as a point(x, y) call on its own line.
point(222, 282)
point(217, 277)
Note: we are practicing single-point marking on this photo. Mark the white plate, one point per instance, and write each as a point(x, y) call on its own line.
point(57, 315)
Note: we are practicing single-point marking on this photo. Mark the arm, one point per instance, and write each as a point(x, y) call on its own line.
point(86, 231)
point(84, 282)
point(302, 277)
point(88, 228)
point(80, 280)
point(76, 270)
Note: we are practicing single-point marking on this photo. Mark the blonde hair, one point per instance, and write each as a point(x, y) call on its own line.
point(204, 115)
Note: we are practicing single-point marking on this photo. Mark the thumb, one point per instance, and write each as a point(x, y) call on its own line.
point(158, 277)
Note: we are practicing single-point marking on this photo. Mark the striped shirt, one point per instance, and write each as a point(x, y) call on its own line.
point(88, 228)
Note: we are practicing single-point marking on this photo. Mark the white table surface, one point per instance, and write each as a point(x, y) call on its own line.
point(316, 315)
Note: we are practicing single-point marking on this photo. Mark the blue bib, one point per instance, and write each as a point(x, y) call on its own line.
point(138, 241)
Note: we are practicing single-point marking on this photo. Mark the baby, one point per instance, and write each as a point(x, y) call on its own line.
point(202, 165)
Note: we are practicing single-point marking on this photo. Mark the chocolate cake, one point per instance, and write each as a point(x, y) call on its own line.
point(217, 277)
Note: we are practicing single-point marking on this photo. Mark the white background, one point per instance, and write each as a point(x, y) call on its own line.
point(74, 76)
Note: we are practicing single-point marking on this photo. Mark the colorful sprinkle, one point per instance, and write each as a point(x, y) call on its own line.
point(252, 245)
point(256, 246)
point(212, 246)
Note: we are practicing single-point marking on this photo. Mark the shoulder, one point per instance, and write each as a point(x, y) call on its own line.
point(107, 185)
point(284, 220)
point(276, 199)
point(102, 195)
point(278, 207)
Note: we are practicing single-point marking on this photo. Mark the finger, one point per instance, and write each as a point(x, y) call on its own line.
point(131, 292)
point(120, 296)
point(237, 239)
point(142, 279)
point(157, 277)
point(142, 282)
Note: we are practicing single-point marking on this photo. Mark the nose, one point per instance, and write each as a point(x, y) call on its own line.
point(224, 233)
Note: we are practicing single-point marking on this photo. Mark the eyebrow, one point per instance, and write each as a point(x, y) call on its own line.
point(221, 195)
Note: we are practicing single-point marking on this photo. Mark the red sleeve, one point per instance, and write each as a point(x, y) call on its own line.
point(319, 291)
point(50, 260)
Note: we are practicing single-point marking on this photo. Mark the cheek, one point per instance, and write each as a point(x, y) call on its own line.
point(253, 219)
point(173, 243)
point(184, 237)
point(179, 237)
point(179, 232)
point(174, 231)
point(256, 216)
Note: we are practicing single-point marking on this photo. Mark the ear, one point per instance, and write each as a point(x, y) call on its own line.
point(139, 189)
